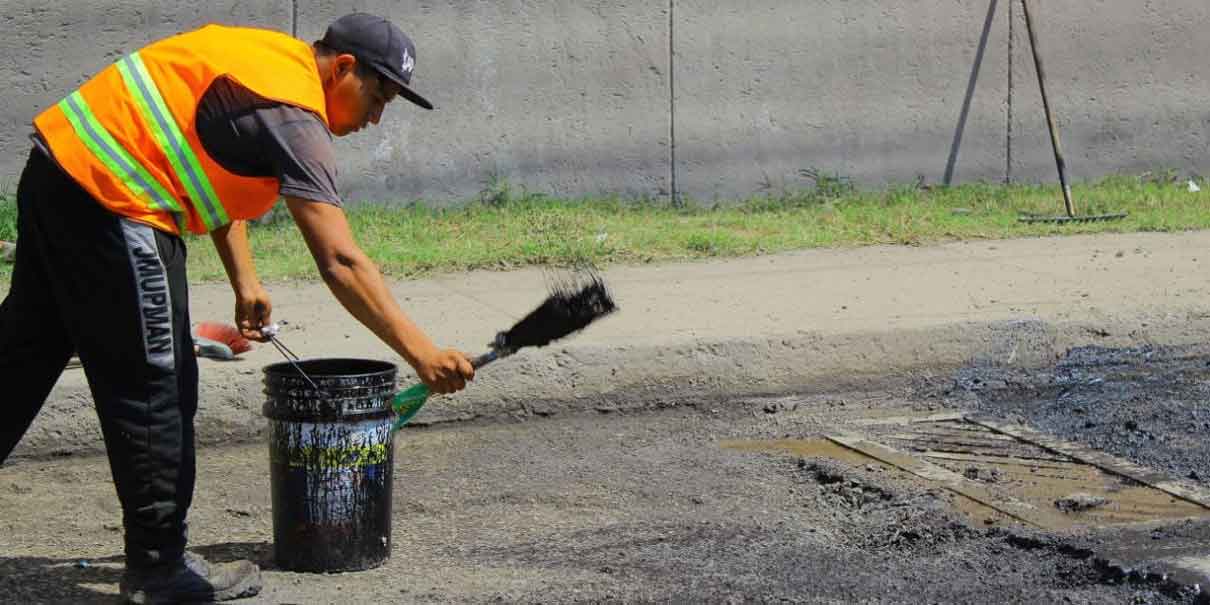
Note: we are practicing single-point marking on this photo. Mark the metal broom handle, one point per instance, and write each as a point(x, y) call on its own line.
point(499, 350)
point(270, 331)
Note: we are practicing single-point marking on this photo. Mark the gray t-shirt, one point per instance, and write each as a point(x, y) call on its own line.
point(256, 137)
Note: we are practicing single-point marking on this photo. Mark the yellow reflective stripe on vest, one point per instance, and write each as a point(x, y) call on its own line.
point(114, 156)
point(172, 142)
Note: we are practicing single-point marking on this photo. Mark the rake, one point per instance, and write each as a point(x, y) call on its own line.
point(1068, 203)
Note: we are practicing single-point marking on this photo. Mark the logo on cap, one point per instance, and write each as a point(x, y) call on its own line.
point(408, 63)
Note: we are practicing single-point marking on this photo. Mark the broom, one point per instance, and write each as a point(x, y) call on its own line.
point(219, 341)
point(570, 307)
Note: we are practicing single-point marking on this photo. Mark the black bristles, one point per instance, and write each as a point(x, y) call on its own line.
point(572, 305)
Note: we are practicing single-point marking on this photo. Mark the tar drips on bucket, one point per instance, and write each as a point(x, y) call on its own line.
point(331, 463)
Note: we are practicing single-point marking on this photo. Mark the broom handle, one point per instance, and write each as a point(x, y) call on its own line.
point(476, 363)
point(485, 359)
point(1050, 118)
point(407, 403)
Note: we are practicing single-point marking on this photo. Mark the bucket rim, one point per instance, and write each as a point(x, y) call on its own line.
point(286, 369)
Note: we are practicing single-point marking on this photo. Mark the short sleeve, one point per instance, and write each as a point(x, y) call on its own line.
point(298, 146)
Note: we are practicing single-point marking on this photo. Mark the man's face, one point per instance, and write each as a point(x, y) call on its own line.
point(355, 100)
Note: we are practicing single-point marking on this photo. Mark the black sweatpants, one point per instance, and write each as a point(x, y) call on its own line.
point(114, 291)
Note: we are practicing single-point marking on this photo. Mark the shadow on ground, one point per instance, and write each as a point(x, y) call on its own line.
point(86, 581)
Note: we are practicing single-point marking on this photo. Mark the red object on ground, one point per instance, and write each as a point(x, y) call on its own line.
point(224, 333)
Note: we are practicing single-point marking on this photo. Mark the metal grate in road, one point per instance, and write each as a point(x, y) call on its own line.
point(1028, 476)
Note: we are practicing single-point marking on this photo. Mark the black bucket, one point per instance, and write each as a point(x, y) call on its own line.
point(331, 463)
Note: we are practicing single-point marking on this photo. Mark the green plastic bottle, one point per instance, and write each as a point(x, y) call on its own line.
point(407, 403)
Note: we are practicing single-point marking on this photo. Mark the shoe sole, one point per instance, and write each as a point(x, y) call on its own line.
point(248, 587)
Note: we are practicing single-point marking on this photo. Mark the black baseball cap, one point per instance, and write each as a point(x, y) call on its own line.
point(378, 43)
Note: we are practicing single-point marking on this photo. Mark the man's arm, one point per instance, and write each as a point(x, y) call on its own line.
point(356, 282)
point(252, 306)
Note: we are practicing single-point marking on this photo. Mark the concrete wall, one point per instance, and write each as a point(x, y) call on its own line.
point(1131, 81)
point(866, 88)
point(568, 97)
point(47, 49)
point(712, 100)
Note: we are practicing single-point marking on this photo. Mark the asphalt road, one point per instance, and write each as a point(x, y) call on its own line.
point(658, 506)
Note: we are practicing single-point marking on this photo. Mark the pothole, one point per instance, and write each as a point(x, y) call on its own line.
point(1002, 472)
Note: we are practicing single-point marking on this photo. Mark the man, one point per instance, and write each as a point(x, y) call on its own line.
point(200, 131)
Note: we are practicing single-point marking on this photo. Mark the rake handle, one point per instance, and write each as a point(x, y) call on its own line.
point(1050, 118)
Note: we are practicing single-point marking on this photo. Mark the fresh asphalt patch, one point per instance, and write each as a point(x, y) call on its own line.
point(1146, 406)
point(1149, 405)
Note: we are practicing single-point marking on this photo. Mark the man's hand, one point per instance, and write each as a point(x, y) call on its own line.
point(252, 312)
point(444, 370)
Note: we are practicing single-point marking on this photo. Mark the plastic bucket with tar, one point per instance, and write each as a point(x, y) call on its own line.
point(331, 463)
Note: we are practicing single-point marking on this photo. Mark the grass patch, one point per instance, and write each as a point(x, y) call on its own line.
point(8, 215)
point(506, 228)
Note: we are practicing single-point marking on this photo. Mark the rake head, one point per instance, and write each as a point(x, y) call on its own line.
point(1092, 218)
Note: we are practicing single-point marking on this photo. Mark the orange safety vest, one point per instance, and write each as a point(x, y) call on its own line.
point(128, 136)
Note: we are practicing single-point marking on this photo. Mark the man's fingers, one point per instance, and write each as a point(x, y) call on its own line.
point(255, 335)
point(451, 384)
point(262, 313)
point(251, 334)
point(465, 368)
point(250, 329)
point(450, 373)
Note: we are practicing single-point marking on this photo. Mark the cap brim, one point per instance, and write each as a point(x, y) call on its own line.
point(405, 91)
point(411, 95)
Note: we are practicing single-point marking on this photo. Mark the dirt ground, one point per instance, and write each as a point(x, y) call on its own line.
point(655, 506)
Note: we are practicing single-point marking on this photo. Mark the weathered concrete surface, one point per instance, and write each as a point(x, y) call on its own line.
point(566, 98)
point(871, 90)
point(814, 321)
point(598, 97)
point(50, 48)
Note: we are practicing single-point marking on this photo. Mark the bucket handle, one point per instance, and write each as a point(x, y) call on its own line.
point(270, 331)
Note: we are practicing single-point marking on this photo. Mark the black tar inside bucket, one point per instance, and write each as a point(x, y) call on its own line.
point(331, 463)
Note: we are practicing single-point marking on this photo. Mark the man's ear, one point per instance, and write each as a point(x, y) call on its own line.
point(342, 65)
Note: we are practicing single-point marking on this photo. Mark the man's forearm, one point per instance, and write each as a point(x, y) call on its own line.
point(356, 282)
point(231, 241)
point(360, 288)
